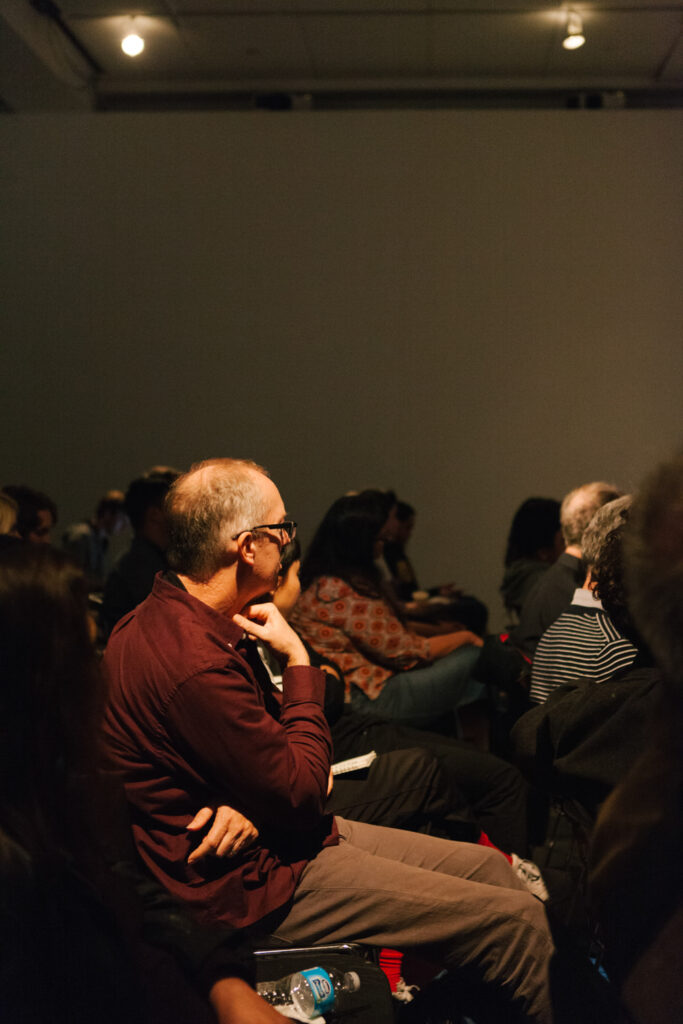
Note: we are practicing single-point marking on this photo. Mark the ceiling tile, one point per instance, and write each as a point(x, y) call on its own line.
point(371, 46)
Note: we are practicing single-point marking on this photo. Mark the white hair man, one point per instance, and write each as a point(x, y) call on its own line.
point(193, 721)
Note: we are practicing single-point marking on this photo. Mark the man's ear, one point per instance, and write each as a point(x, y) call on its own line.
point(246, 548)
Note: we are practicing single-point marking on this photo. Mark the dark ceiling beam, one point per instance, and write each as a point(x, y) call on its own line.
point(50, 10)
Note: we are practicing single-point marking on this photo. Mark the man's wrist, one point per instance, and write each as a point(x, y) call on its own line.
point(298, 656)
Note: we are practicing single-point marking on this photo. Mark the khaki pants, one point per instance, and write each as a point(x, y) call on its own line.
point(460, 902)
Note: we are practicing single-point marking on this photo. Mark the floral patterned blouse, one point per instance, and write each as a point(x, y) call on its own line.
point(361, 634)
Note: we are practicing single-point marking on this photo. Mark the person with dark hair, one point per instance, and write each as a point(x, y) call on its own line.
point(74, 936)
point(637, 847)
point(132, 578)
point(458, 791)
point(432, 610)
point(402, 574)
point(87, 542)
point(586, 642)
point(193, 718)
point(37, 513)
point(533, 544)
point(552, 593)
point(344, 614)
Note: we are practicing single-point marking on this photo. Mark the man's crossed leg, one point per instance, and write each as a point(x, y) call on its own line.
point(460, 901)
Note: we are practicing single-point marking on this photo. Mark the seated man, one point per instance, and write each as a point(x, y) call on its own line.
point(131, 579)
point(193, 720)
point(87, 542)
point(584, 642)
point(552, 593)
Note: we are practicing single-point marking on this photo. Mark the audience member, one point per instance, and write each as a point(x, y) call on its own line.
point(397, 562)
point(637, 847)
point(585, 642)
point(534, 543)
point(74, 936)
point(583, 739)
point(552, 593)
point(471, 790)
point(88, 542)
point(37, 513)
point(192, 718)
point(344, 614)
point(131, 579)
point(441, 606)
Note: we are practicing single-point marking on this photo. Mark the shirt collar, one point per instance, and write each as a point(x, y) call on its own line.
point(586, 599)
point(229, 629)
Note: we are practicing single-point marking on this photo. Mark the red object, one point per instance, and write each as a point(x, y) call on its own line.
point(390, 961)
point(484, 840)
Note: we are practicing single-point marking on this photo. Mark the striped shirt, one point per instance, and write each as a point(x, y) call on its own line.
point(582, 644)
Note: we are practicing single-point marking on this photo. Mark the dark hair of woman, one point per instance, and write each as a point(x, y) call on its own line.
point(344, 543)
point(50, 701)
point(534, 526)
point(610, 584)
point(404, 511)
point(290, 554)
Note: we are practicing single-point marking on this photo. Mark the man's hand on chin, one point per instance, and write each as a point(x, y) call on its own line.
point(264, 622)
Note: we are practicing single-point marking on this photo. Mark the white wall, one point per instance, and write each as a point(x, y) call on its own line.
point(470, 307)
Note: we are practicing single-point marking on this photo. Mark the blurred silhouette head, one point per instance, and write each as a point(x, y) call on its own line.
point(37, 513)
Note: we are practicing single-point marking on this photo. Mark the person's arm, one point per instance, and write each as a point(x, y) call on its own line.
point(264, 622)
point(230, 832)
point(234, 1002)
point(273, 771)
point(447, 642)
point(375, 630)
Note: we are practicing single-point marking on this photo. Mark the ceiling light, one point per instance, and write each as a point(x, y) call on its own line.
point(575, 37)
point(132, 44)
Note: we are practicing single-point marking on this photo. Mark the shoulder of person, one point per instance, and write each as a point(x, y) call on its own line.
point(332, 588)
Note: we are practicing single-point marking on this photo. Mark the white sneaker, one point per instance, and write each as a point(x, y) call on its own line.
point(404, 992)
point(530, 874)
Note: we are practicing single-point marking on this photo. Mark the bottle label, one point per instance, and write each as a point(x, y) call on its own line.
point(321, 987)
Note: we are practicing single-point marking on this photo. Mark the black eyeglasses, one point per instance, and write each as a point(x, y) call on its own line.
point(288, 526)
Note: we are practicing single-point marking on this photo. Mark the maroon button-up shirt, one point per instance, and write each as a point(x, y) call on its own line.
point(190, 723)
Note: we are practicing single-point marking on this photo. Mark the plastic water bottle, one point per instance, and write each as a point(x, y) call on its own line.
point(311, 992)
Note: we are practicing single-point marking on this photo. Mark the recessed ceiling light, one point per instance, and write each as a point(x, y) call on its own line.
point(132, 44)
point(575, 37)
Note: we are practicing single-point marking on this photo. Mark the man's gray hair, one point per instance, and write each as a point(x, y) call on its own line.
point(654, 566)
point(603, 522)
point(579, 507)
point(206, 507)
